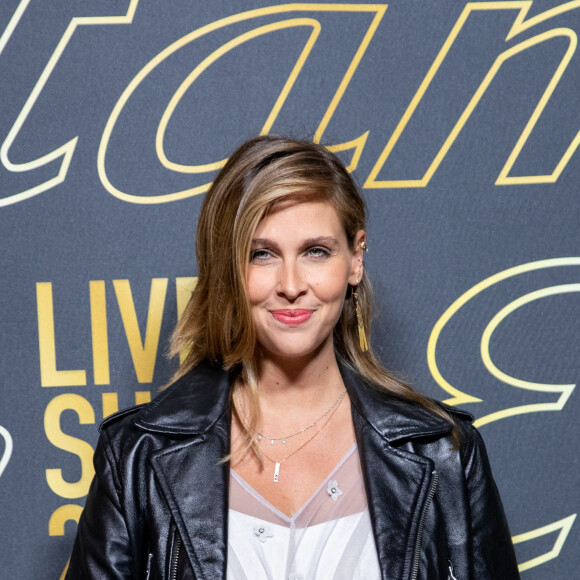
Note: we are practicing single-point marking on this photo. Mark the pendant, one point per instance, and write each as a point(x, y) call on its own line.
point(276, 471)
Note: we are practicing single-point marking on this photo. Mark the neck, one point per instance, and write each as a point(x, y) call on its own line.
point(299, 381)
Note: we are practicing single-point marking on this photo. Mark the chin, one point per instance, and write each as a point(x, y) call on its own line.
point(294, 350)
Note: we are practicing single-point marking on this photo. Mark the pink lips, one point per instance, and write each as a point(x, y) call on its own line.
point(292, 316)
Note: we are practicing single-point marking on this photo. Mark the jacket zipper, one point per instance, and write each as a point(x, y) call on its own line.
point(451, 575)
point(175, 557)
point(428, 501)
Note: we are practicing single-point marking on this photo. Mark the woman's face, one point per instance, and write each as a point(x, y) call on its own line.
point(299, 270)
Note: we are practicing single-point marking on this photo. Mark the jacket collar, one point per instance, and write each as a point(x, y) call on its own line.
point(196, 401)
point(395, 419)
point(190, 406)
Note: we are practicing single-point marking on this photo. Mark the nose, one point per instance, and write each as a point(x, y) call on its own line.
point(291, 281)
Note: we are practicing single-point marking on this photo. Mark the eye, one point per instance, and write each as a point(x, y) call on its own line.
point(318, 252)
point(260, 255)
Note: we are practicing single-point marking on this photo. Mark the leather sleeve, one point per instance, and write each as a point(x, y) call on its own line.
point(102, 546)
point(493, 554)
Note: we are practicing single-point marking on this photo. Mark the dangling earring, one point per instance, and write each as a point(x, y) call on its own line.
point(362, 337)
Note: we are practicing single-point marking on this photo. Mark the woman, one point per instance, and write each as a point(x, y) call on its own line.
point(283, 449)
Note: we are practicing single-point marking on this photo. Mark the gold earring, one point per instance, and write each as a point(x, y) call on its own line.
point(362, 337)
point(364, 246)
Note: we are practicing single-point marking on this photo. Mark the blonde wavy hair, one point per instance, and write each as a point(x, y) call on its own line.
point(217, 322)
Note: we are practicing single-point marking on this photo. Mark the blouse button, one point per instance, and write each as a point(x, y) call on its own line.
point(263, 533)
point(333, 490)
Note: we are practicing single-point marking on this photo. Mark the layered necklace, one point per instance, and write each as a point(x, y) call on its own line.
point(300, 431)
point(329, 413)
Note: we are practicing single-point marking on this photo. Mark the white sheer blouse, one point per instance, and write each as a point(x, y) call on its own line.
point(330, 537)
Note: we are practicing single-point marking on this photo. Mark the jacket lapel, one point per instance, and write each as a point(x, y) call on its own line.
point(196, 489)
point(195, 412)
point(397, 485)
point(397, 482)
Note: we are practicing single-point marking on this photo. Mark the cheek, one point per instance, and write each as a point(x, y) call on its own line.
point(258, 283)
point(330, 286)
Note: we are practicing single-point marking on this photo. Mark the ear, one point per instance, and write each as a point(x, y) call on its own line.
point(357, 262)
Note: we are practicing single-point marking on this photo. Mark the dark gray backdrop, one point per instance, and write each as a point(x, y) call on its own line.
point(462, 120)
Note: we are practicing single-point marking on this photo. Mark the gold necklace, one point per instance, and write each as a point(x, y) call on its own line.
point(272, 440)
point(277, 464)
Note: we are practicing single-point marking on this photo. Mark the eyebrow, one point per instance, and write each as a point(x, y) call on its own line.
point(320, 240)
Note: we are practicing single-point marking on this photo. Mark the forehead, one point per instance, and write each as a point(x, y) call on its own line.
point(298, 217)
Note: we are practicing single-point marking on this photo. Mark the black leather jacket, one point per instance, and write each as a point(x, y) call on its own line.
point(158, 505)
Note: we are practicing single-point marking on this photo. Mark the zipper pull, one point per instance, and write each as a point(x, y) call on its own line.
point(148, 573)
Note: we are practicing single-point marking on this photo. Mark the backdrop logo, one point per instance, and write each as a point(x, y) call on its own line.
point(90, 403)
point(253, 19)
point(58, 160)
point(150, 152)
point(7, 451)
point(459, 397)
point(507, 283)
point(520, 25)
